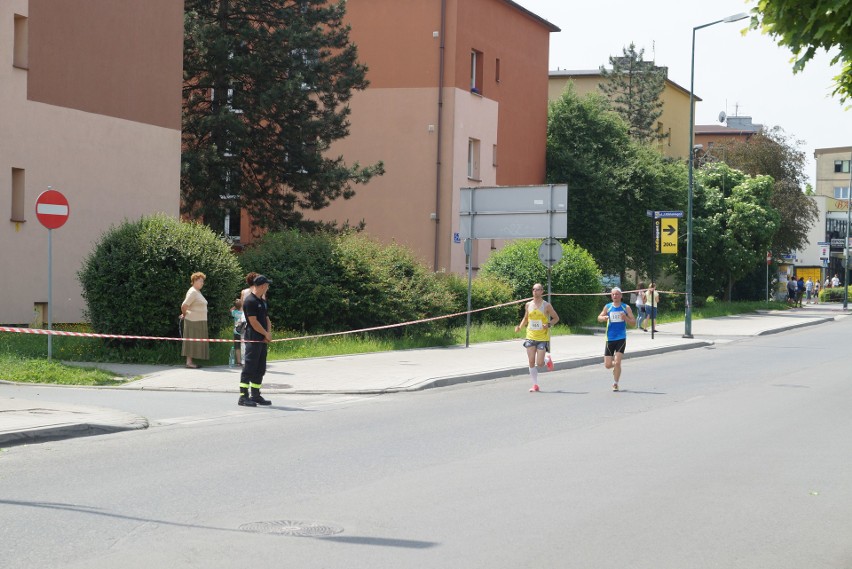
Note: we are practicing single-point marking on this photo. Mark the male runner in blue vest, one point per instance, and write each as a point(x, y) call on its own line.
point(617, 316)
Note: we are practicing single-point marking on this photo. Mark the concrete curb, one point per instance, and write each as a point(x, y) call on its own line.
point(447, 381)
point(794, 326)
point(27, 422)
point(71, 431)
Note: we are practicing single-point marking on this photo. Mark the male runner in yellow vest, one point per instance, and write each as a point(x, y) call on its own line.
point(539, 318)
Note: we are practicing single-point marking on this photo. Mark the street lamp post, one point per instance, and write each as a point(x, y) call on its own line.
point(688, 318)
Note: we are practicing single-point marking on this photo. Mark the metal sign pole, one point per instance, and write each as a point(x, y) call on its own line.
point(469, 254)
point(49, 293)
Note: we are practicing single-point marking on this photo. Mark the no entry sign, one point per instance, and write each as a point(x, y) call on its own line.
point(52, 209)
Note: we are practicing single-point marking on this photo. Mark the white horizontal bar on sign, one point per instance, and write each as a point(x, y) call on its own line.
point(51, 209)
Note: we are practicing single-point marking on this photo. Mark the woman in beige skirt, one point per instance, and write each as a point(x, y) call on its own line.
point(193, 312)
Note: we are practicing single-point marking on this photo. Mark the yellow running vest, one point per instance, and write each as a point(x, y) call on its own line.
point(536, 319)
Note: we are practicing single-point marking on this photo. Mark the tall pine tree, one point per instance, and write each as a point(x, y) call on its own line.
point(266, 90)
point(633, 87)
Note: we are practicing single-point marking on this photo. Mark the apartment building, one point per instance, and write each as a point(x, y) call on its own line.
point(833, 180)
point(457, 98)
point(90, 103)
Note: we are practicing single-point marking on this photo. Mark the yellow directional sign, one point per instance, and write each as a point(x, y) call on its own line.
point(668, 235)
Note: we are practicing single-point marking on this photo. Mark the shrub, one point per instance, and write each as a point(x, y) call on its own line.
point(576, 272)
point(833, 294)
point(324, 282)
point(137, 274)
point(486, 290)
point(306, 291)
point(387, 285)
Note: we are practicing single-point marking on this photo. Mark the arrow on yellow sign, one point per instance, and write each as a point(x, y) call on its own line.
point(668, 236)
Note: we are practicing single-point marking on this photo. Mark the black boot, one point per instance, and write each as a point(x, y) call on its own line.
point(244, 399)
point(257, 398)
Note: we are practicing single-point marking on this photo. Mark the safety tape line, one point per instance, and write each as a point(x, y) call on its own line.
point(43, 332)
point(125, 337)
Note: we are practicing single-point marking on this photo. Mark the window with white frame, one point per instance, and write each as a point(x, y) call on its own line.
point(841, 166)
point(841, 192)
point(476, 61)
point(473, 159)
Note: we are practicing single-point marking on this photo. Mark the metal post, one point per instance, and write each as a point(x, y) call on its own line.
point(468, 249)
point(687, 320)
point(767, 279)
point(49, 293)
point(689, 237)
point(656, 226)
point(846, 245)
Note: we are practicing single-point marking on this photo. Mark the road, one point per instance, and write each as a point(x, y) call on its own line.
point(736, 456)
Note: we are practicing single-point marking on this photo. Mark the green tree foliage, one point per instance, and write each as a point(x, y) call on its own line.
point(633, 87)
point(612, 180)
point(806, 26)
point(576, 273)
point(267, 85)
point(773, 153)
point(733, 224)
point(137, 275)
point(324, 283)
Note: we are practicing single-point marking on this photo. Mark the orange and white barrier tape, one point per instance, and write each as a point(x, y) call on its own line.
point(40, 331)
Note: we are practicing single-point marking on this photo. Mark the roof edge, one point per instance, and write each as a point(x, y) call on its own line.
point(591, 72)
point(536, 17)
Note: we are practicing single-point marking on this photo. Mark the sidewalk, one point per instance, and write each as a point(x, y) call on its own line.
point(386, 372)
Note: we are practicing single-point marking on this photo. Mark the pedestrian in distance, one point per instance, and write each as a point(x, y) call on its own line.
point(539, 318)
point(835, 281)
point(652, 301)
point(809, 290)
point(617, 316)
point(193, 314)
point(239, 329)
point(640, 305)
point(816, 292)
point(258, 335)
point(791, 291)
point(800, 291)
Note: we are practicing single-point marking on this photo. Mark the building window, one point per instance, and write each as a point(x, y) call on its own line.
point(494, 155)
point(473, 159)
point(476, 72)
point(232, 224)
point(841, 166)
point(20, 57)
point(497, 71)
point(841, 193)
point(18, 194)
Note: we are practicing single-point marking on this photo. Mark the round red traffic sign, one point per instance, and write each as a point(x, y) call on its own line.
point(52, 209)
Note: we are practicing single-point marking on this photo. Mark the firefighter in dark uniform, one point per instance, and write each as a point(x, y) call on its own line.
point(258, 336)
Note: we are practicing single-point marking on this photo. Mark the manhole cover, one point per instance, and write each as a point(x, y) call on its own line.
point(295, 528)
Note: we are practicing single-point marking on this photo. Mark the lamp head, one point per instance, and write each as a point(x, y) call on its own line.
point(736, 17)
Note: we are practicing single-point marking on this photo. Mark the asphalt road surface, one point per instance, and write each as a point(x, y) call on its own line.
point(736, 456)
